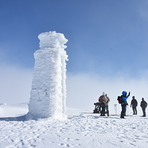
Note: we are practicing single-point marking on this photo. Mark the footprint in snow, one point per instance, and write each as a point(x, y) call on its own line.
point(132, 144)
point(68, 139)
point(65, 145)
point(121, 140)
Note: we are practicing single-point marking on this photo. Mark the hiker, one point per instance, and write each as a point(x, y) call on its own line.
point(134, 105)
point(143, 106)
point(124, 97)
point(102, 104)
point(104, 100)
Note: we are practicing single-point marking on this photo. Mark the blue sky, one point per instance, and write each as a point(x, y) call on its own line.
point(105, 37)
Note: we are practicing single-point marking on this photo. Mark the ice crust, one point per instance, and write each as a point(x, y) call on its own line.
point(48, 93)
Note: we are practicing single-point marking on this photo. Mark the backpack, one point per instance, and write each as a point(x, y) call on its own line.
point(101, 98)
point(101, 101)
point(119, 98)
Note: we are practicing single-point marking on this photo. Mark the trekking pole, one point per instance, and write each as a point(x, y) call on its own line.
point(115, 106)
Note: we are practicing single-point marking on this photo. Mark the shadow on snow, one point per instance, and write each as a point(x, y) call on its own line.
point(19, 118)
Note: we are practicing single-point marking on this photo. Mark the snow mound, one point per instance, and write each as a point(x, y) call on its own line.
point(13, 110)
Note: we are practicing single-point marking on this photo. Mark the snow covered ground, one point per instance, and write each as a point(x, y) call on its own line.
point(81, 130)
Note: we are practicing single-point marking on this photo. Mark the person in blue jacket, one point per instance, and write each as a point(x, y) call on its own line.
point(124, 103)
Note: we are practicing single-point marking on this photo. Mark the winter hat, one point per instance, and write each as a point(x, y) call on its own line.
point(124, 93)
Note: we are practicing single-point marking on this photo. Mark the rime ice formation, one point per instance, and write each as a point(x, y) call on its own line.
point(48, 94)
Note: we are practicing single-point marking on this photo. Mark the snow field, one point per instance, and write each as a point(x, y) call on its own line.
point(84, 130)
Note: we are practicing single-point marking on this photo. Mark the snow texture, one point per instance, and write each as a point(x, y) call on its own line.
point(80, 130)
point(48, 93)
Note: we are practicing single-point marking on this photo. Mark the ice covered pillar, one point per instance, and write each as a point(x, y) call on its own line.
point(48, 93)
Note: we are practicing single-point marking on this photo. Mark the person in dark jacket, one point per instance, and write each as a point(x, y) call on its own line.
point(124, 103)
point(143, 106)
point(134, 105)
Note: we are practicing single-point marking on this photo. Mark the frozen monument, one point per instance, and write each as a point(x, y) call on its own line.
point(48, 93)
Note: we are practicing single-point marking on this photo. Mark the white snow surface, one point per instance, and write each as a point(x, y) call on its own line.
point(82, 129)
point(52, 39)
point(48, 93)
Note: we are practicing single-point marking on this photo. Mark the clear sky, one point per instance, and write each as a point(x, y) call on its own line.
point(108, 38)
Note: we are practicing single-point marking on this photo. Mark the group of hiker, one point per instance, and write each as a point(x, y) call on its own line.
point(133, 104)
point(102, 105)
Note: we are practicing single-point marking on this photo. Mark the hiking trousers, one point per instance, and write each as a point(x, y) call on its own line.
point(144, 113)
point(123, 110)
point(106, 110)
point(103, 111)
point(134, 110)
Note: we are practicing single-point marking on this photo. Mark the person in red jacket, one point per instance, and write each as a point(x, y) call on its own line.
point(103, 101)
